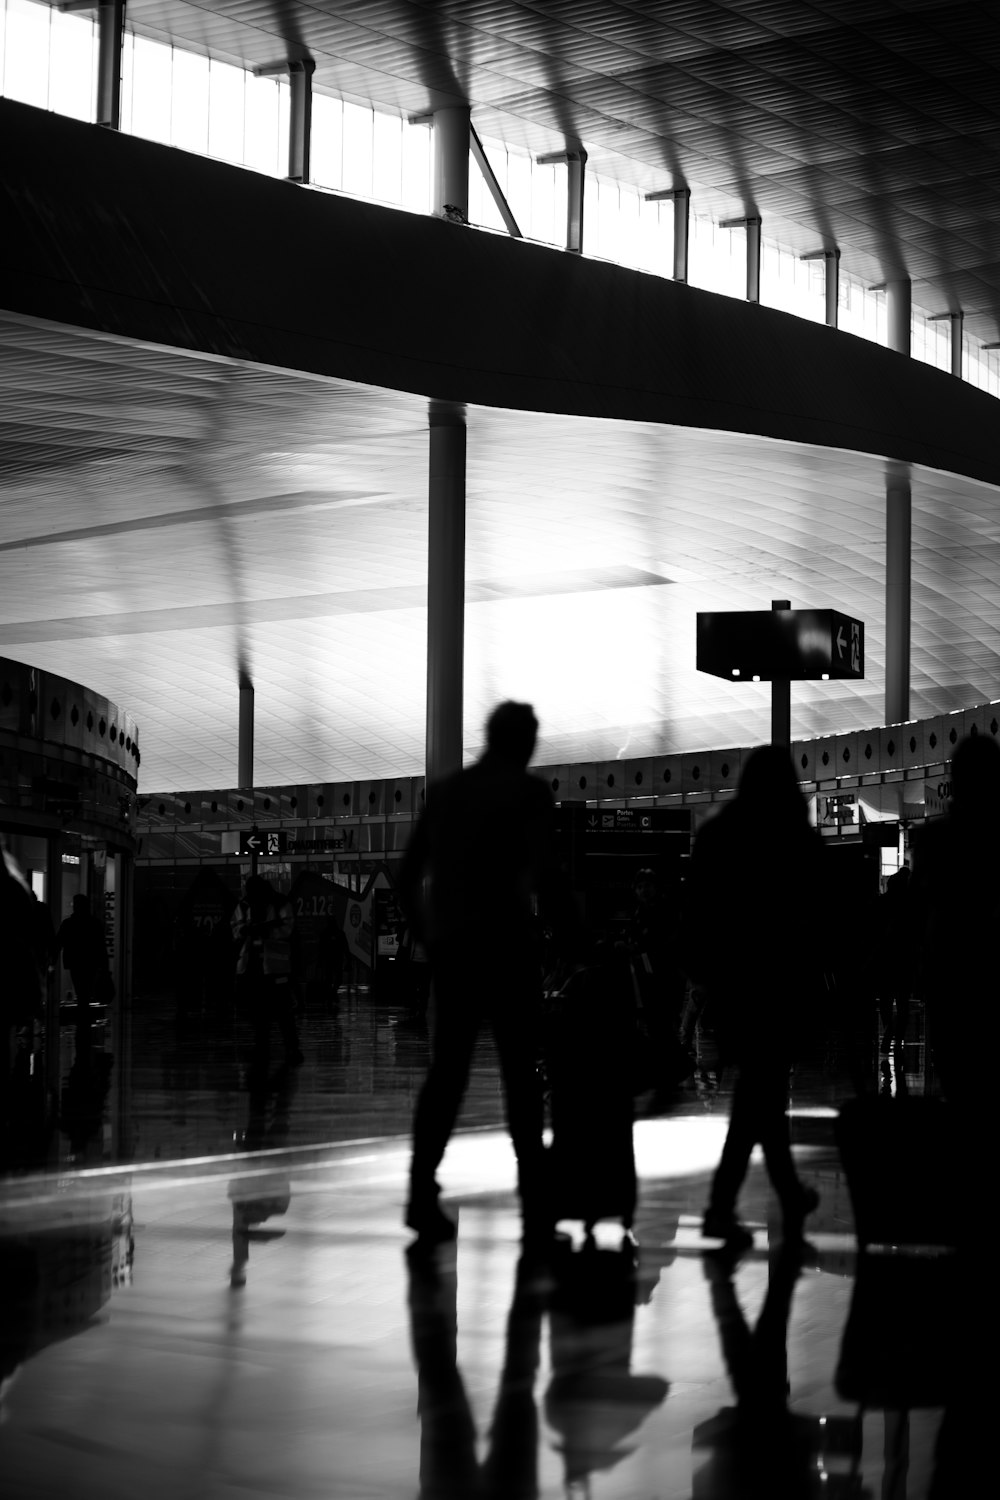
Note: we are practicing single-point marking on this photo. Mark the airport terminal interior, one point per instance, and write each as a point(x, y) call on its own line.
point(365, 364)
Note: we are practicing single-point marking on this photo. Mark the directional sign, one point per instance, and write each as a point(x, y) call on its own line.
point(264, 841)
point(633, 820)
point(762, 645)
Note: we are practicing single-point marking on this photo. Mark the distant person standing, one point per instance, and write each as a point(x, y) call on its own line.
point(80, 940)
point(754, 896)
point(482, 849)
point(262, 930)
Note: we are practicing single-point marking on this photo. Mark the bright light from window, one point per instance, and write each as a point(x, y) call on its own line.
point(26, 53)
point(189, 122)
point(226, 109)
point(151, 90)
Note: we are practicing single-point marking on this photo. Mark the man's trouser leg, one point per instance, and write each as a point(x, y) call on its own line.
point(515, 1027)
point(455, 1024)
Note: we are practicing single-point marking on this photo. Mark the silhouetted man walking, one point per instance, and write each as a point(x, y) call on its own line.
point(482, 848)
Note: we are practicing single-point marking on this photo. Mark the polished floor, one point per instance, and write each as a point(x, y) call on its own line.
point(235, 1314)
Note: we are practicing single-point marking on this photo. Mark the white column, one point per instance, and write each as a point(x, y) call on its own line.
point(897, 307)
point(300, 118)
point(451, 159)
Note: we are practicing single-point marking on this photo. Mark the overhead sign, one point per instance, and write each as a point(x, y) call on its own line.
point(605, 820)
point(264, 841)
point(764, 645)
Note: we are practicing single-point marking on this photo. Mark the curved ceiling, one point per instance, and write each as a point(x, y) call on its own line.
point(868, 125)
point(159, 510)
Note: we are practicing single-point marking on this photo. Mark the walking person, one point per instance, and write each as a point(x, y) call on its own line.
point(482, 849)
point(754, 900)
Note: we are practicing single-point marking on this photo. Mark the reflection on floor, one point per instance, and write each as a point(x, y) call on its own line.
point(247, 1322)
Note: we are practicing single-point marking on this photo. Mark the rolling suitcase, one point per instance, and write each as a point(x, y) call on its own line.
point(590, 1060)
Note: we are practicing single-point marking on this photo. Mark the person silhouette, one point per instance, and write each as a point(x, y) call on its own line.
point(483, 847)
point(956, 898)
point(754, 895)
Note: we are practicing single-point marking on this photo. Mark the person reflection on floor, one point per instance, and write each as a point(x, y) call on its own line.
point(259, 1198)
point(449, 1467)
point(757, 1447)
point(593, 1400)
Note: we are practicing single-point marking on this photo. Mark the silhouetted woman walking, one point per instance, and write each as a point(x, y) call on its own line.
point(753, 899)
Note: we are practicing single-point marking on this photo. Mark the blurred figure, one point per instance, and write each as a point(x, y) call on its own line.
point(20, 991)
point(956, 894)
point(894, 959)
point(81, 942)
point(659, 987)
point(262, 928)
point(755, 897)
point(482, 848)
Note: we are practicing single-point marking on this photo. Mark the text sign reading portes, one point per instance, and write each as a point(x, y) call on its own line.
point(632, 820)
point(768, 644)
point(264, 841)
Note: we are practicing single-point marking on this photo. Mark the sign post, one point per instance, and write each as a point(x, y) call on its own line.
point(781, 646)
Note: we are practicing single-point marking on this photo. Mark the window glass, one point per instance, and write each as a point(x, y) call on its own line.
point(417, 167)
point(73, 66)
point(284, 116)
point(151, 90)
point(327, 146)
point(26, 53)
point(518, 192)
point(128, 76)
point(543, 203)
point(656, 237)
point(387, 157)
point(482, 205)
point(189, 121)
point(358, 128)
point(792, 285)
point(226, 103)
point(260, 135)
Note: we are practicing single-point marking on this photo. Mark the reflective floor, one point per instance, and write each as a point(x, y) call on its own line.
point(244, 1320)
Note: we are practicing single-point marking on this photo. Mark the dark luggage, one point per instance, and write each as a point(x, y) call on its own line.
point(902, 1170)
point(590, 1062)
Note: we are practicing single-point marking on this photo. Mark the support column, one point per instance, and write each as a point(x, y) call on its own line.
point(244, 774)
point(445, 588)
point(682, 228)
point(451, 160)
point(751, 223)
point(897, 307)
point(576, 162)
point(957, 321)
point(898, 509)
point(300, 118)
point(111, 40)
point(753, 259)
point(831, 260)
point(781, 698)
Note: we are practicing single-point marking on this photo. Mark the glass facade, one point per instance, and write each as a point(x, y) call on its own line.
point(48, 58)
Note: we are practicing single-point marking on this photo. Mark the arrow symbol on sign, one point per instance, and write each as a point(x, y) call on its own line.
point(253, 843)
point(592, 821)
point(841, 643)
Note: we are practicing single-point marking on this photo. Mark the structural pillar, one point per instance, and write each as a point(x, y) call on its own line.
point(751, 223)
point(244, 775)
point(110, 42)
point(831, 260)
point(957, 321)
point(300, 118)
point(682, 224)
point(445, 589)
point(576, 163)
point(781, 698)
point(898, 307)
point(753, 259)
point(898, 509)
point(451, 160)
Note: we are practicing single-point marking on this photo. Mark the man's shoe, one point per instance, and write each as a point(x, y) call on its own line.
point(430, 1223)
point(721, 1225)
